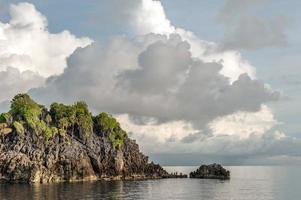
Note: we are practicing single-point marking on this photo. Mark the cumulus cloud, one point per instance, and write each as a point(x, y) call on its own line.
point(233, 64)
point(161, 67)
point(148, 16)
point(159, 133)
point(193, 90)
point(26, 44)
point(92, 72)
point(187, 146)
point(243, 124)
point(161, 81)
point(244, 29)
point(157, 23)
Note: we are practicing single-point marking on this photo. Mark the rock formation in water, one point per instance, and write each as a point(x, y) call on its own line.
point(67, 143)
point(213, 171)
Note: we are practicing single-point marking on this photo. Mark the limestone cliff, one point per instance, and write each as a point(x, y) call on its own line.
point(67, 143)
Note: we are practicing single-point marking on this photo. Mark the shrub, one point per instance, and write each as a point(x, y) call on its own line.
point(60, 119)
point(62, 116)
point(109, 124)
point(106, 122)
point(24, 108)
point(83, 118)
point(117, 138)
point(5, 117)
point(68, 116)
point(59, 111)
point(42, 127)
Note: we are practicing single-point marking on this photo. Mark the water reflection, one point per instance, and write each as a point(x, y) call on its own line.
point(246, 183)
point(87, 190)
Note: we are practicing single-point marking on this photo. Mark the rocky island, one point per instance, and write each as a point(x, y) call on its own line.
point(213, 171)
point(67, 143)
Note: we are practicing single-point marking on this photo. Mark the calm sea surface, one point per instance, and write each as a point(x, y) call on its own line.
point(249, 183)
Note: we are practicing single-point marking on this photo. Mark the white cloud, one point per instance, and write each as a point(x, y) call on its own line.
point(244, 124)
point(150, 17)
point(160, 81)
point(170, 139)
point(26, 43)
point(161, 133)
point(13, 82)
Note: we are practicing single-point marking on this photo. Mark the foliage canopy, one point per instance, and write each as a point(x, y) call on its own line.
point(109, 124)
point(60, 119)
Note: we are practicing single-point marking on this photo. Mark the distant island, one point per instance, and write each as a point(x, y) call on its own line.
point(213, 171)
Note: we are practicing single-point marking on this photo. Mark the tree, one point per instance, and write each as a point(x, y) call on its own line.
point(24, 108)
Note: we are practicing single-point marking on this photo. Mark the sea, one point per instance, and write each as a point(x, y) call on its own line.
point(246, 183)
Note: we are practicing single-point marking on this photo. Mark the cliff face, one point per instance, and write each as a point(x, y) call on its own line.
point(67, 144)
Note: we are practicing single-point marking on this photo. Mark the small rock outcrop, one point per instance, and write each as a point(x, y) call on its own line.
point(67, 143)
point(213, 171)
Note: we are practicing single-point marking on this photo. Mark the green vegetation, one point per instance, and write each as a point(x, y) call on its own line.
point(23, 108)
point(63, 116)
point(60, 119)
point(117, 138)
point(48, 119)
point(83, 118)
point(70, 116)
point(106, 122)
point(5, 117)
point(109, 124)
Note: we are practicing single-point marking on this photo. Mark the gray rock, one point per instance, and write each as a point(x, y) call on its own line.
point(28, 158)
point(213, 171)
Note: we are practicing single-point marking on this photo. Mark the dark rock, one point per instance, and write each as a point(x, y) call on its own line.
point(176, 175)
point(67, 143)
point(28, 158)
point(213, 171)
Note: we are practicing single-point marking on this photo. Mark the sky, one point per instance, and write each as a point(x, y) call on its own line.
point(191, 81)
